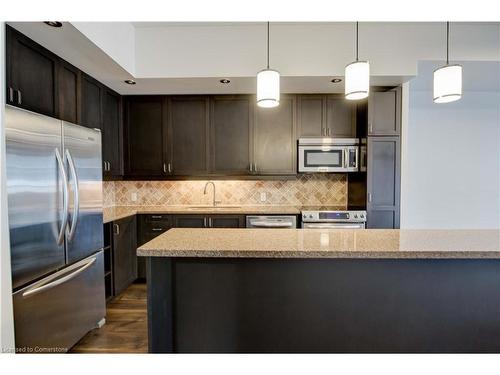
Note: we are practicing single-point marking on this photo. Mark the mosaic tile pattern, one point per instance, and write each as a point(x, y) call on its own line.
point(314, 189)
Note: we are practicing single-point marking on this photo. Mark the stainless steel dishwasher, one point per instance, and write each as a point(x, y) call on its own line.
point(269, 222)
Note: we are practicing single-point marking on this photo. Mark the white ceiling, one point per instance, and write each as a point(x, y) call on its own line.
point(166, 57)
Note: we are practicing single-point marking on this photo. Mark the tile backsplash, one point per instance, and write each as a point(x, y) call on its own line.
point(313, 189)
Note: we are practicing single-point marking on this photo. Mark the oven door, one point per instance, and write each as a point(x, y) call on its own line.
point(328, 158)
point(333, 225)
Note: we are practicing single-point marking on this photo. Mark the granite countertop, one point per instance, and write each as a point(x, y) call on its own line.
point(120, 212)
point(318, 243)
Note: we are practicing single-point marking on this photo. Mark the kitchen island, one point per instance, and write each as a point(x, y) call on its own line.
point(326, 291)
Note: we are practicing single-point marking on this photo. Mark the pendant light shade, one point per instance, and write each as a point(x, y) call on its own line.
point(448, 78)
point(268, 84)
point(357, 80)
point(357, 77)
point(268, 88)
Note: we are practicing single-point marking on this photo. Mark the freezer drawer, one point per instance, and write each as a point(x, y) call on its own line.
point(52, 314)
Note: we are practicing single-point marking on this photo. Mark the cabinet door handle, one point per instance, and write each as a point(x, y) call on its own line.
point(370, 127)
point(116, 228)
point(164, 168)
point(11, 94)
point(210, 222)
point(169, 168)
point(205, 222)
point(251, 166)
point(19, 97)
point(109, 166)
point(255, 167)
point(369, 197)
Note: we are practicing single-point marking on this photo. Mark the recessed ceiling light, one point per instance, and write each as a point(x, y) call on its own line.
point(336, 80)
point(224, 81)
point(130, 82)
point(53, 23)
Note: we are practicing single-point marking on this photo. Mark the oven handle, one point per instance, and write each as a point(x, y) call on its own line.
point(333, 226)
point(263, 224)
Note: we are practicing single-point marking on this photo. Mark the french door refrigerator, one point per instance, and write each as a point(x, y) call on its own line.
point(54, 188)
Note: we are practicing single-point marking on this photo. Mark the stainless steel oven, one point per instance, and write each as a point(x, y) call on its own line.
point(334, 219)
point(328, 154)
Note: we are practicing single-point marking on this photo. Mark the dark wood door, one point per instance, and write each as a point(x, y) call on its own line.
point(227, 221)
point(190, 221)
point(124, 253)
point(275, 138)
point(188, 126)
point(311, 115)
point(112, 134)
point(384, 112)
point(383, 182)
point(340, 117)
point(91, 102)
point(68, 91)
point(31, 74)
point(144, 137)
point(231, 121)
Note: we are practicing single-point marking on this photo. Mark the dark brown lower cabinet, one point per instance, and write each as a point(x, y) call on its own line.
point(124, 253)
point(209, 221)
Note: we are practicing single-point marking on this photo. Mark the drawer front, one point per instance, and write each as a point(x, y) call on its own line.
point(151, 226)
point(157, 218)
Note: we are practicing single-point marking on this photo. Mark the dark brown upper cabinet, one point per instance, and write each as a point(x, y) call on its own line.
point(340, 116)
point(31, 75)
point(275, 138)
point(326, 116)
point(231, 122)
point(145, 140)
point(69, 91)
point(384, 112)
point(311, 116)
point(112, 135)
point(188, 128)
point(91, 102)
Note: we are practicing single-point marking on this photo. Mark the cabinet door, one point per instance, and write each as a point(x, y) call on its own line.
point(311, 115)
point(227, 221)
point(190, 221)
point(31, 74)
point(112, 134)
point(91, 102)
point(124, 253)
point(188, 133)
point(144, 137)
point(340, 117)
point(274, 138)
point(68, 92)
point(383, 182)
point(231, 127)
point(384, 112)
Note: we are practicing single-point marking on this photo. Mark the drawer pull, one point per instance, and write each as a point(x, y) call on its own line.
point(157, 229)
point(156, 216)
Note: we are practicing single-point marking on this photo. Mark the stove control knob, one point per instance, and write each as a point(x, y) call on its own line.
point(355, 216)
point(361, 216)
point(310, 216)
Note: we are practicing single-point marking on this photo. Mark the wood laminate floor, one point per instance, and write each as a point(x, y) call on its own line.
point(126, 328)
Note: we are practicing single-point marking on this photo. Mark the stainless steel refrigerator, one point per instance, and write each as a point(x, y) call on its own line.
point(54, 186)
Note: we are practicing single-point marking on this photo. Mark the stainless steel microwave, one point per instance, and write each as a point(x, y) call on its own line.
point(328, 155)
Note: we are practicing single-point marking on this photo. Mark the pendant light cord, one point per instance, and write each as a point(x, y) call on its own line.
point(447, 43)
point(268, 45)
point(357, 41)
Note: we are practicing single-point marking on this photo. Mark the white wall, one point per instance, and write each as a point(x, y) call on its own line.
point(7, 320)
point(451, 153)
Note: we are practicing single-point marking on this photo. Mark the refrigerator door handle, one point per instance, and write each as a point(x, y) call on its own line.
point(59, 281)
point(76, 203)
point(64, 221)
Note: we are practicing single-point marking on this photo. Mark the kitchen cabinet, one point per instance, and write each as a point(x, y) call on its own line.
point(326, 116)
point(383, 182)
point(68, 91)
point(112, 135)
point(188, 126)
point(144, 129)
point(124, 253)
point(31, 73)
point(231, 122)
point(275, 139)
point(384, 112)
point(209, 221)
point(91, 102)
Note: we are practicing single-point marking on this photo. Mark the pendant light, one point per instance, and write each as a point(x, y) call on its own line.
point(357, 77)
point(268, 84)
point(448, 78)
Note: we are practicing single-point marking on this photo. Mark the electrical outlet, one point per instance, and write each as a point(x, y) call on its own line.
point(263, 196)
point(133, 197)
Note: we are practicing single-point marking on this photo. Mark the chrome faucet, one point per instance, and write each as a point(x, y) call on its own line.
point(214, 202)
